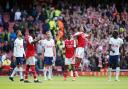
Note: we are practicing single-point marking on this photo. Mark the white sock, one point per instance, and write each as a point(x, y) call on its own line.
point(21, 72)
point(14, 72)
point(109, 73)
point(45, 73)
point(71, 73)
point(49, 73)
point(117, 73)
point(77, 75)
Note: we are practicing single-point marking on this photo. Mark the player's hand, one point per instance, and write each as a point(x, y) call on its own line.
point(42, 57)
point(14, 58)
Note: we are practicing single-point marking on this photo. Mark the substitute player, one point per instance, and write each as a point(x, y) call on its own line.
point(30, 57)
point(115, 45)
point(69, 47)
point(18, 54)
point(48, 54)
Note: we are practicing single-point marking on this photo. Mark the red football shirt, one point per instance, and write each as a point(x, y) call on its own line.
point(69, 48)
point(81, 38)
point(30, 51)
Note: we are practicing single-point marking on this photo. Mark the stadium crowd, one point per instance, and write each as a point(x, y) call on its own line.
point(97, 21)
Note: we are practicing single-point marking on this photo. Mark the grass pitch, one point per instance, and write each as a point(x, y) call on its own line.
point(58, 83)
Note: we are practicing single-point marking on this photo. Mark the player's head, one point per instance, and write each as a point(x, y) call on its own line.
point(31, 33)
point(19, 33)
point(81, 29)
point(115, 34)
point(69, 36)
point(48, 34)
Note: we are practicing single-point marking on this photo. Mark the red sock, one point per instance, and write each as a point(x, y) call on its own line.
point(65, 74)
point(77, 65)
point(26, 72)
point(34, 72)
point(65, 71)
point(74, 74)
point(73, 70)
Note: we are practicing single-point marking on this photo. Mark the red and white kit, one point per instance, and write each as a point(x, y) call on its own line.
point(69, 51)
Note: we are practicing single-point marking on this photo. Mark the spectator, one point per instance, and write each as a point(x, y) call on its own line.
point(1, 20)
point(96, 20)
point(0, 59)
point(12, 39)
point(12, 36)
point(5, 26)
point(45, 26)
point(18, 15)
point(53, 27)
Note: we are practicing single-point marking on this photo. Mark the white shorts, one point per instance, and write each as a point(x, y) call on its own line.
point(79, 52)
point(69, 61)
point(31, 61)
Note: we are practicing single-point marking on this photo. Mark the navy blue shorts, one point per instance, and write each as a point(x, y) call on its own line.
point(48, 60)
point(19, 60)
point(114, 61)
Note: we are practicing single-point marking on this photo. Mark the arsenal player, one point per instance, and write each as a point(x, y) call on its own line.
point(69, 45)
point(81, 43)
point(30, 57)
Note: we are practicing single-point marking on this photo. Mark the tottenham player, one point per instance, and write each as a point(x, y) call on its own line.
point(18, 54)
point(115, 45)
point(48, 55)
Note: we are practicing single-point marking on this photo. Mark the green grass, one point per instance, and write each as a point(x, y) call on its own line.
point(58, 83)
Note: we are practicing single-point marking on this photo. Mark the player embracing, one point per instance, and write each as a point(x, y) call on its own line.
point(115, 45)
point(69, 47)
point(48, 55)
point(30, 57)
point(81, 43)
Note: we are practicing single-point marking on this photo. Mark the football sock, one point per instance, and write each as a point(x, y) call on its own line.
point(14, 71)
point(117, 73)
point(45, 73)
point(109, 73)
point(49, 73)
point(34, 72)
point(26, 72)
point(21, 72)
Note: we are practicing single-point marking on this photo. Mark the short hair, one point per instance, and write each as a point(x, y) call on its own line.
point(17, 31)
point(31, 31)
point(115, 33)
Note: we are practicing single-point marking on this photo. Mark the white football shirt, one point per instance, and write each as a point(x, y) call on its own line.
point(48, 46)
point(18, 48)
point(116, 43)
point(17, 15)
